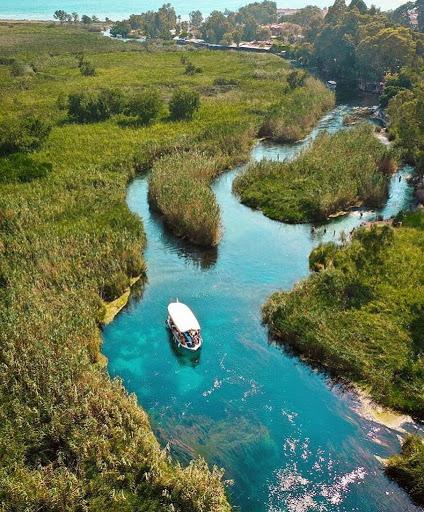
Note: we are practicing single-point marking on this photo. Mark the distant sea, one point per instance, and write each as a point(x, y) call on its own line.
point(119, 9)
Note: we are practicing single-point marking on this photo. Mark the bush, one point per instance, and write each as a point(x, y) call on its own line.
point(94, 106)
point(191, 69)
point(146, 106)
point(183, 104)
point(20, 168)
point(22, 134)
point(19, 68)
point(87, 69)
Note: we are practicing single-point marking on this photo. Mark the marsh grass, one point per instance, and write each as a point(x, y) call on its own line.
point(361, 316)
point(349, 168)
point(71, 438)
point(179, 189)
point(407, 468)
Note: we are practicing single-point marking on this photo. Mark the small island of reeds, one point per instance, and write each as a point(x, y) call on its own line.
point(337, 172)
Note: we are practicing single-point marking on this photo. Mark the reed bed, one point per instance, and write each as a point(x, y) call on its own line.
point(299, 109)
point(361, 316)
point(179, 189)
point(70, 437)
point(349, 168)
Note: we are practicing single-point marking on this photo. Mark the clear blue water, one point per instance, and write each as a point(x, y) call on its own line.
point(118, 9)
point(288, 438)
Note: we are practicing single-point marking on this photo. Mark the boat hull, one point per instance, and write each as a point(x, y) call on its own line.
point(176, 337)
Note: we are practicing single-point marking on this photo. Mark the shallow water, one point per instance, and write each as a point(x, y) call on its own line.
point(288, 439)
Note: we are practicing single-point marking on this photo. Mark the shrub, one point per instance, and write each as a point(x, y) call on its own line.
point(19, 68)
point(183, 104)
point(20, 168)
point(87, 69)
point(191, 69)
point(94, 106)
point(146, 106)
point(22, 134)
point(120, 28)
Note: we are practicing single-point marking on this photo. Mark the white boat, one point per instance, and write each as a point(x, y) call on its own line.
point(184, 326)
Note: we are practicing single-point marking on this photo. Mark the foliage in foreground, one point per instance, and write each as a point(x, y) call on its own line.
point(407, 468)
point(337, 172)
point(362, 315)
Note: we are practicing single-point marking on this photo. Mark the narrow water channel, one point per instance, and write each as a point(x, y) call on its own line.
point(287, 438)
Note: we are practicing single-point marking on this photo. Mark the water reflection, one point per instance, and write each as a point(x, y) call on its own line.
point(184, 357)
point(201, 257)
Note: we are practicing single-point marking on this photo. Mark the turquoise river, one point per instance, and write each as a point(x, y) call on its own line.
point(288, 438)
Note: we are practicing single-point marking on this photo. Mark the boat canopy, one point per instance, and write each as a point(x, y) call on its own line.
point(183, 317)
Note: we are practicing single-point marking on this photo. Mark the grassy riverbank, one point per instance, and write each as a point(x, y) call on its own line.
point(360, 318)
point(349, 168)
point(407, 468)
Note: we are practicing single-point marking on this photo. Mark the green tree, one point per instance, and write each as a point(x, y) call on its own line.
point(401, 16)
point(360, 5)
point(262, 12)
point(420, 9)
point(215, 26)
point(336, 12)
point(196, 19)
point(86, 19)
point(75, 17)
point(263, 34)
point(120, 28)
point(237, 35)
point(388, 50)
point(60, 15)
point(183, 104)
point(22, 134)
point(250, 29)
point(94, 106)
point(227, 39)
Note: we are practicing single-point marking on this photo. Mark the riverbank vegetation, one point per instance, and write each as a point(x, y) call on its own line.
point(360, 314)
point(407, 468)
point(69, 437)
point(349, 168)
point(179, 189)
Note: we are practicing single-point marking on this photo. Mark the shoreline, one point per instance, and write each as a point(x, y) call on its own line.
point(370, 410)
point(114, 307)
